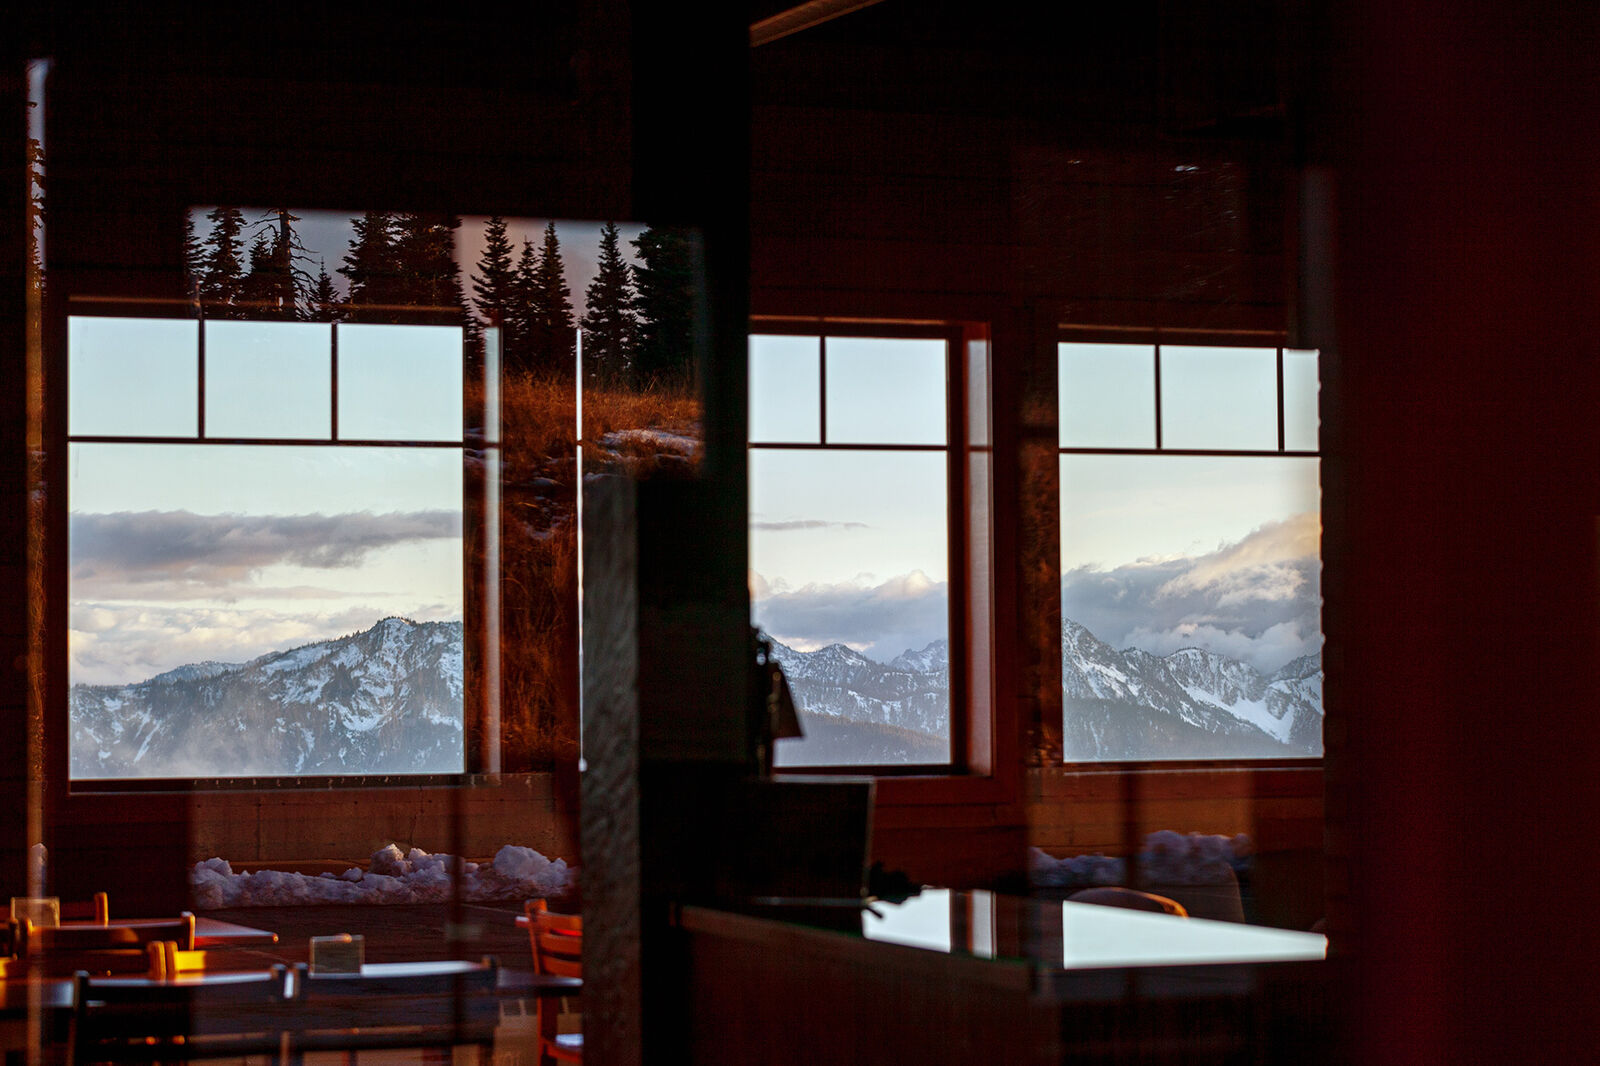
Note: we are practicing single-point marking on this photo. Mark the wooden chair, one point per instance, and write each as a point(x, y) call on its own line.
point(557, 941)
point(96, 910)
point(63, 950)
point(427, 1009)
point(120, 1019)
point(1129, 899)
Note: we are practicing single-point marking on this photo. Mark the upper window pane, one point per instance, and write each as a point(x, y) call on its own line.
point(268, 379)
point(885, 391)
point(399, 382)
point(785, 389)
point(1301, 423)
point(133, 377)
point(1108, 395)
point(1220, 398)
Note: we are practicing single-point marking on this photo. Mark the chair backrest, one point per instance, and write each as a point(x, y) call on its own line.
point(422, 1005)
point(557, 943)
point(111, 948)
point(120, 1019)
point(1129, 899)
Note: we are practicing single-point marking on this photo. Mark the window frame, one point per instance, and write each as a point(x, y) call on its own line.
point(1157, 337)
point(479, 716)
point(970, 617)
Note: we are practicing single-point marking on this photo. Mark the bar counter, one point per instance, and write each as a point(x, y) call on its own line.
point(962, 977)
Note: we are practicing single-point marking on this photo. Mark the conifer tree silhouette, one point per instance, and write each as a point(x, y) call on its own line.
point(551, 334)
point(518, 356)
point(495, 284)
point(371, 269)
point(610, 327)
point(222, 264)
point(664, 279)
point(323, 304)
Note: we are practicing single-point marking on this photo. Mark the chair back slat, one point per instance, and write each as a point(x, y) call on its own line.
point(144, 1020)
point(557, 943)
point(350, 1011)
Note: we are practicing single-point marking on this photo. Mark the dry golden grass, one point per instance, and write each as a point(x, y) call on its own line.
point(539, 558)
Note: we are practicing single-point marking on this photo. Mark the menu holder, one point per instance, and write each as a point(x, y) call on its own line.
point(40, 910)
point(343, 953)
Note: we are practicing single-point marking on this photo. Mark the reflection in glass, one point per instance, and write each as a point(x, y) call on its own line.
point(1301, 421)
point(923, 921)
point(885, 391)
point(785, 389)
point(1219, 398)
point(132, 377)
point(400, 382)
point(1191, 607)
point(848, 558)
point(268, 379)
point(1108, 395)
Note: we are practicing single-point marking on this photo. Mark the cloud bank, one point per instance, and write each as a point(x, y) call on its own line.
point(109, 551)
point(1258, 600)
point(880, 620)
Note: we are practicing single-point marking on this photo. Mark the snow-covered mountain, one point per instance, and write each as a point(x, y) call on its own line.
point(856, 710)
point(384, 701)
point(1191, 704)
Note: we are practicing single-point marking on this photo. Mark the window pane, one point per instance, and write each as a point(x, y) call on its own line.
point(269, 379)
point(785, 389)
point(1301, 422)
point(264, 610)
point(1191, 607)
point(1219, 397)
point(399, 382)
point(885, 391)
point(1108, 395)
point(133, 377)
point(848, 576)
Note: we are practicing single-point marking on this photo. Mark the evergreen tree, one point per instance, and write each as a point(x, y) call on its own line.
point(517, 355)
point(256, 290)
point(429, 279)
point(551, 336)
point(323, 304)
point(371, 268)
point(610, 328)
point(664, 280)
point(495, 284)
point(222, 266)
point(193, 254)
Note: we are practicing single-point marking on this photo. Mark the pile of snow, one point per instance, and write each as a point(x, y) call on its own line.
point(392, 877)
point(1168, 858)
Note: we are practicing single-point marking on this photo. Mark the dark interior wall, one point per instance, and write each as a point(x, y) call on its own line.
point(1460, 523)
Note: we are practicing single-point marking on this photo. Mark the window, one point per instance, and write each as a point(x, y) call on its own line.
point(858, 508)
point(1190, 552)
point(265, 548)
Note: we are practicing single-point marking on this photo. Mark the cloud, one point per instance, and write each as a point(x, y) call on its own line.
point(880, 620)
point(117, 644)
point(190, 549)
point(1258, 600)
point(805, 523)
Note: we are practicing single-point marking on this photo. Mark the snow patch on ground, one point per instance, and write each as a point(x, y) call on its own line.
point(393, 877)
